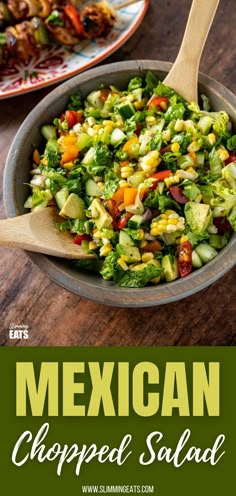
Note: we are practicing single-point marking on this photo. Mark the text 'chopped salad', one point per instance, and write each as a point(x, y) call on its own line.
point(149, 187)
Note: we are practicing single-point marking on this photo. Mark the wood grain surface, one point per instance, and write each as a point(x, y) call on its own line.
point(56, 317)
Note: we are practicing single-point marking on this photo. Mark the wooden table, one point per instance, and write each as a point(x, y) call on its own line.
point(56, 317)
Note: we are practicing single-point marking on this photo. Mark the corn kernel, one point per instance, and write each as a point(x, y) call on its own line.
point(122, 264)
point(105, 250)
point(173, 222)
point(188, 124)
point(164, 216)
point(175, 147)
point(166, 135)
point(179, 125)
point(92, 245)
point(155, 280)
point(173, 216)
point(193, 147)
point(180, 226)
point(126, 171)
point(211, 138)
point(171, 180)
point(150, 119)
point(109, 123)
point(123, 183)
point(143, 243)
point(170, 228)
point(169, 212)
point(147, 256)
point(183, 239)
point(163, 105)
point(101, 185)
point(140, 234)
point(223, 154)
point(97, 234)
point(108, 129)
point(91, 132)
point(68, 165)
point(91, 121)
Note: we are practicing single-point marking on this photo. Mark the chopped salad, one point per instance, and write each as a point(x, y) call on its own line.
point(144, 180)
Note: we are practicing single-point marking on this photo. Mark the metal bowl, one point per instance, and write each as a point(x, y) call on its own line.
point(17, 169)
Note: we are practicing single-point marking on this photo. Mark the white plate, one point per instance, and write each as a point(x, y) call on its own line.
point(57, 62)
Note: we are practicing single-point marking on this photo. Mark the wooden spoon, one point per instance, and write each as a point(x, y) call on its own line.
point(183, 76)
point(38, 232)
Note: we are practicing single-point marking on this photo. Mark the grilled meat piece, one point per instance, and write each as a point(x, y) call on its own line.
point(98, 19)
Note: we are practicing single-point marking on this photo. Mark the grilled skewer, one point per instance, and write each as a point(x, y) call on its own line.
point(59, 18)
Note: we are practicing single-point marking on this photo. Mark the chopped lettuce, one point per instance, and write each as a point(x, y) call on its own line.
point(75, 102)
point(196, 238)
point(229, 174)
point(225, 198)
point(139, 278)
point(232, 218)
point(231, 143)
point(175, 111)
point(111, 184)
point(192, 191)
point(215, 162)
point(135, 83)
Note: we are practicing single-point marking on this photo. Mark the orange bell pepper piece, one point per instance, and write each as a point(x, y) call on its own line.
point(70, 153)
point(119, 195)
point(130, 142)
point(130, 195)
point(36, 157)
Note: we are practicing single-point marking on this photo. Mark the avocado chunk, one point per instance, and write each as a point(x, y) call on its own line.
point(61, 196)
point(99, 214)
point(131, 253)
point(74, 208)
point(198, 216)
point(170, 267)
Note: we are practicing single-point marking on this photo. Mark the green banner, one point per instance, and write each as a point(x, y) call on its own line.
point(117, 420)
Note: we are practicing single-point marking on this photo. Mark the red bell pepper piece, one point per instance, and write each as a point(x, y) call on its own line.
point(160, 176)
point(185, 259)
point(75, 19)
point(123, 220)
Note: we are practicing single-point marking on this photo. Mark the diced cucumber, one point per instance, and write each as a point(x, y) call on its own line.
point(138, 94)
point(217, 241)
point(160, 186)
point(196, 260)
point(61, 197)
point(125, 239)
point(170, 267)
point(206, 252)
point(200, 158)
point(94, 99)
point(185, 161)
point(126, 110)
point(89, 156)
point(85, 246)
point(83, 141)
point(92, 189)
point(131, 253)
point(117, 136)
point(204, 124)
point(49, 132)
point(135, 221)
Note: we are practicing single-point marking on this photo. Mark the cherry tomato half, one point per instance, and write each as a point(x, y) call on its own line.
point(231, 158)
point(73, 117)
point(81, 237)
point(159, 101)
point(178, 195)
point(185, 259)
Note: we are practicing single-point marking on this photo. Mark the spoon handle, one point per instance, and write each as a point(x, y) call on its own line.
point(183, 76)
point(15, 233)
